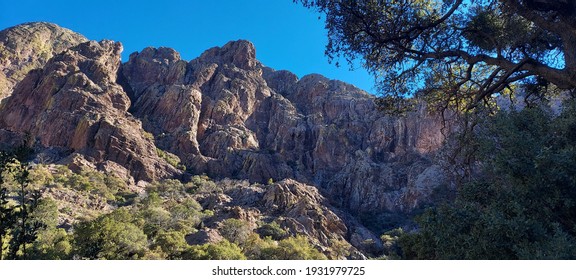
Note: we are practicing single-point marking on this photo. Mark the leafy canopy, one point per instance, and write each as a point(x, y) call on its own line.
point(524, 205)
point(454, 53)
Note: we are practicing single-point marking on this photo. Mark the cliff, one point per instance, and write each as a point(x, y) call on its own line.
point(224, 114)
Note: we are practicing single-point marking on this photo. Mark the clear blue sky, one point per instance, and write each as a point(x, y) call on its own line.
point(286, 35)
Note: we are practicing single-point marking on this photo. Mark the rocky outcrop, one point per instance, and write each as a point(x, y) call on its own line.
point(303, 211)
point(29, 46)
point(204, 236)
point(75, 103)
point(227, 115)
point(296, 207)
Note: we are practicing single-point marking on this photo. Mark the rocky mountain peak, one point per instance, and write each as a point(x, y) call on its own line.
point(74, 104)
point(102, 63)
point(152, 66)
point(241, 54)
point(29, 46)
point(161, 55)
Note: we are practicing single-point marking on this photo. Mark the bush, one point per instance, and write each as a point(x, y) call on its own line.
point(113, 236)
point(293, 248)
point(272, 230)
point(235, 230)
point(524, 204)
point(223, 250)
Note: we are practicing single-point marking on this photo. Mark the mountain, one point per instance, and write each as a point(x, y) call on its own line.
point(223, 114)
point(29, 46)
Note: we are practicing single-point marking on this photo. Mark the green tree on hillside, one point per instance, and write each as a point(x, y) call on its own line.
point(18, 230)
point(524, 204)
point(235, 230)
point(293, 248)
point(114, 236)
point(454, 53)
point(223, 250)
point(7, 211)
point(52, 243)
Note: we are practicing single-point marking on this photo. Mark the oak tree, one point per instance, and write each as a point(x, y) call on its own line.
point(454, 53)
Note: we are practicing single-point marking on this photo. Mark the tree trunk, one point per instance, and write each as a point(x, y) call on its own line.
point(569, 41)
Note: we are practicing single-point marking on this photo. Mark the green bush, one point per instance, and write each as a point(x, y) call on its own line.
point(223, 250)
point(235, 230)
point(113, 236)
point(293, 248)
point(523, 206)
point(272, 230)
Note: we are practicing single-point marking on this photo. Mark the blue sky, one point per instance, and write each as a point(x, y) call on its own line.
point(286, 35)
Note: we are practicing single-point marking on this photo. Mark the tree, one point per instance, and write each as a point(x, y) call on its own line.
point(340, 248)
point(235, 230)
point(272, 230)
point(223, 250)
point(17, 229)
point(113, 236)
point(293, 248)
point(7, 212)
point(52, 243)
point(454, 53)
point(172, 243)
point(524, 204)
point(26, 230)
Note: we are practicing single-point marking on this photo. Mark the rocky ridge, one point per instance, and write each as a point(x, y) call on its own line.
point(226, 115)
point(74, 104)
point(29, 46)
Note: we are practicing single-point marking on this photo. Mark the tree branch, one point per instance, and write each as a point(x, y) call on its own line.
point(543, 22)
point(556, 76)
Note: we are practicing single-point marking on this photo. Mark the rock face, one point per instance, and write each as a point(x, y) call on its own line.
point(29, 46)
point(226, 115)
point(298, 207)
point(74, 103)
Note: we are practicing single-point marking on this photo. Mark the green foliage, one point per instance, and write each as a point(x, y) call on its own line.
point(223, 250)
point(114, 236)
point(18, 228)
point(458, 53)
point(235, 230)
point(203, 184)
point(256, 248)
point(156, 219)
point(340, 248)
point(172, 243)
point(293, 248)
point(154, 226)
point(52, 243)
point(91, 181)
point(171, 211)
point(172, 188)
point(524, 205)
point(172, 159)
point(272, 230)
point(148, 136)
point(7, 210)
point(390, 241)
